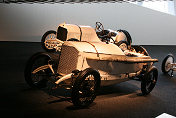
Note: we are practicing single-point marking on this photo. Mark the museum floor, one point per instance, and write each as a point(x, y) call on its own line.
point(123, 100)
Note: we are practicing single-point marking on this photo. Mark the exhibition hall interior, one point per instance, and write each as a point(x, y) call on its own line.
point(88, 58)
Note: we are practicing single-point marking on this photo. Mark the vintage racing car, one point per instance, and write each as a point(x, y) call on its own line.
point(88, 58)
point(168, 65)
point(51, 43)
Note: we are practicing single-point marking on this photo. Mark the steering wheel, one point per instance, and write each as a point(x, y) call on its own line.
point(99, 27)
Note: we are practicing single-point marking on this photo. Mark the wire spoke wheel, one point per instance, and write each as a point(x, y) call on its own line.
point(166, 64)
point(149, 81)
point(85, 87)
point(40, 78)
point(48, 41)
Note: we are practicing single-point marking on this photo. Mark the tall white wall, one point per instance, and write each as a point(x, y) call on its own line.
point(28, 22)
point(175, 5)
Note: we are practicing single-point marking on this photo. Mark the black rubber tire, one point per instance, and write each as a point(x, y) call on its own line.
point(164, 62)
point(29, 68)
point(149, 80)
point(80, 84)
point(44, 38)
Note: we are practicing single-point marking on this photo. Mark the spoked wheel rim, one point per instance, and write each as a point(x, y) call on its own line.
point(168, 62)
point(40, 78)
point(87, 90)
point(150, 82)
point(85, 87)
point(49, 39)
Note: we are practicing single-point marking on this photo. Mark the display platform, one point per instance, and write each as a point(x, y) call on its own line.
point(122, 100)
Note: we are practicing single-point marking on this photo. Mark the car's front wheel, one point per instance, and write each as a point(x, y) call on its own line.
point(37, 79)
point(85, 87)
point(149, 80)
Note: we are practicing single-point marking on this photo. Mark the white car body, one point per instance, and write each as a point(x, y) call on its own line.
point(113, 64)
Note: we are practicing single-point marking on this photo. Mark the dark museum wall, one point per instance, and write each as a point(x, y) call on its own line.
point(28, 22)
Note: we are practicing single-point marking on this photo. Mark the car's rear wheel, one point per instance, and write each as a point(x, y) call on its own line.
point(85, 87)
point(149, 80)
point(45, 41)
point(166, 63)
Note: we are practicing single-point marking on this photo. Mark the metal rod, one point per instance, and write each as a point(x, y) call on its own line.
point(68, 76)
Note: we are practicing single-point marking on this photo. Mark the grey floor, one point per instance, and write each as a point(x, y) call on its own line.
point(123, 100)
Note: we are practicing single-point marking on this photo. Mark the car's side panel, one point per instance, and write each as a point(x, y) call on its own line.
point(76, 55)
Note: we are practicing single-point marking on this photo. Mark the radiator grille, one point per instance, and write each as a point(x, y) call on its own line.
point(68, 59)
point(62, 33)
